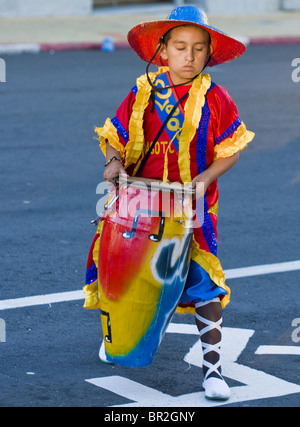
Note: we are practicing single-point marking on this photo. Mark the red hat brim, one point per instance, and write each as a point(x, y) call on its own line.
point(144, 40)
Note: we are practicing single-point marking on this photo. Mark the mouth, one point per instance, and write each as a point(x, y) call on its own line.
point(188, 68)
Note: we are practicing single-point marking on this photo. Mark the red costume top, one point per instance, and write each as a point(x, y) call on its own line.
point(204, 128)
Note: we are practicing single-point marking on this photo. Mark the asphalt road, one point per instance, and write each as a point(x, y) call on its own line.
point(50, 166)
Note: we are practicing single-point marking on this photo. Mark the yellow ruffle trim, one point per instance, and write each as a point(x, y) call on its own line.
point(193, 113)
point(109, 133)
point(186, 310)
point(135, 145)
point(92, 297)
point(212, 266)
point(214, 209)
point(238, 142)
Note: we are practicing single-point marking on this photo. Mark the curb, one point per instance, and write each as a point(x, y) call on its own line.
point(289, 40)
point(60, 47)
point(19, 48)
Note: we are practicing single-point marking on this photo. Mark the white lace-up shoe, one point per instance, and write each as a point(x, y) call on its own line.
point(102, 354)
point(216, 389)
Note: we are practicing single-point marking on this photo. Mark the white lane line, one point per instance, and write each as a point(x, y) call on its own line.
point(258, 270)
point(236, 273)
point(278, 349)
point(41, 300)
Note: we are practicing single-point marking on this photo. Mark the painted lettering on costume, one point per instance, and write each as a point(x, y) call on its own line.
point(173, 124)
point(160, 148)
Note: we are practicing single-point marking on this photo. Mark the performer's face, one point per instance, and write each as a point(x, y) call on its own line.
point(187, 49)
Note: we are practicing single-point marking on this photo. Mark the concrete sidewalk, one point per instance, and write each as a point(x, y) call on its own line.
point(88, 32)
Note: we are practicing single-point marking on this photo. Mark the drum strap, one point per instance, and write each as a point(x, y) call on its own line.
point(145, 159)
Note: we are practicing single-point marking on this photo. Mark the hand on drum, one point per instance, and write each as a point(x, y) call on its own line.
point(200, 184)
point(114, 167)
point(114, 170)
point(214, 171)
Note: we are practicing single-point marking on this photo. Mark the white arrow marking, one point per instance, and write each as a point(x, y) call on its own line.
point(258, 385)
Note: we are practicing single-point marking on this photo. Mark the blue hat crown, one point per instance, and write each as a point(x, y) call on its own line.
point(189, 14)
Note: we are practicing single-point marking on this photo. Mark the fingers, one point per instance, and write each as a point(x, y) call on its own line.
point(199, 186)
point(113, 171)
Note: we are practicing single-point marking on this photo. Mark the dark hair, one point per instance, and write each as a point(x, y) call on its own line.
point(167, 37)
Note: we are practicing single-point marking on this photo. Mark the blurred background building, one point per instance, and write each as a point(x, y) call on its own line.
point(21, 8)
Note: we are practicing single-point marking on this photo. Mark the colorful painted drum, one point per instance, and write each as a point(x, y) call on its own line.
point(144, 258)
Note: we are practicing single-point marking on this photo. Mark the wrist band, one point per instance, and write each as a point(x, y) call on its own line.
point(111, 160)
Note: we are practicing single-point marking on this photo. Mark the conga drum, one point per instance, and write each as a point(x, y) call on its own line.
point(144, 256)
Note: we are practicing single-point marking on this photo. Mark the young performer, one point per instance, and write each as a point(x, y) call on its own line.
point(200, 142)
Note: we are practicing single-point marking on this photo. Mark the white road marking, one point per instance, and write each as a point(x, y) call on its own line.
point(257, 385)
point(41, 300)
point(79, 295)
point(278, 350)
point(259, 270)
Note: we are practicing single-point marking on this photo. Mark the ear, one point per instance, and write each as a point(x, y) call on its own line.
point(163, 52)
point(211, 50)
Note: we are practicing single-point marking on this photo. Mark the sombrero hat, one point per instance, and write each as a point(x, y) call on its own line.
point(144, 38)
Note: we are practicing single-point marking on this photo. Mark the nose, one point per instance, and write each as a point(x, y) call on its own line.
point(190, 55)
